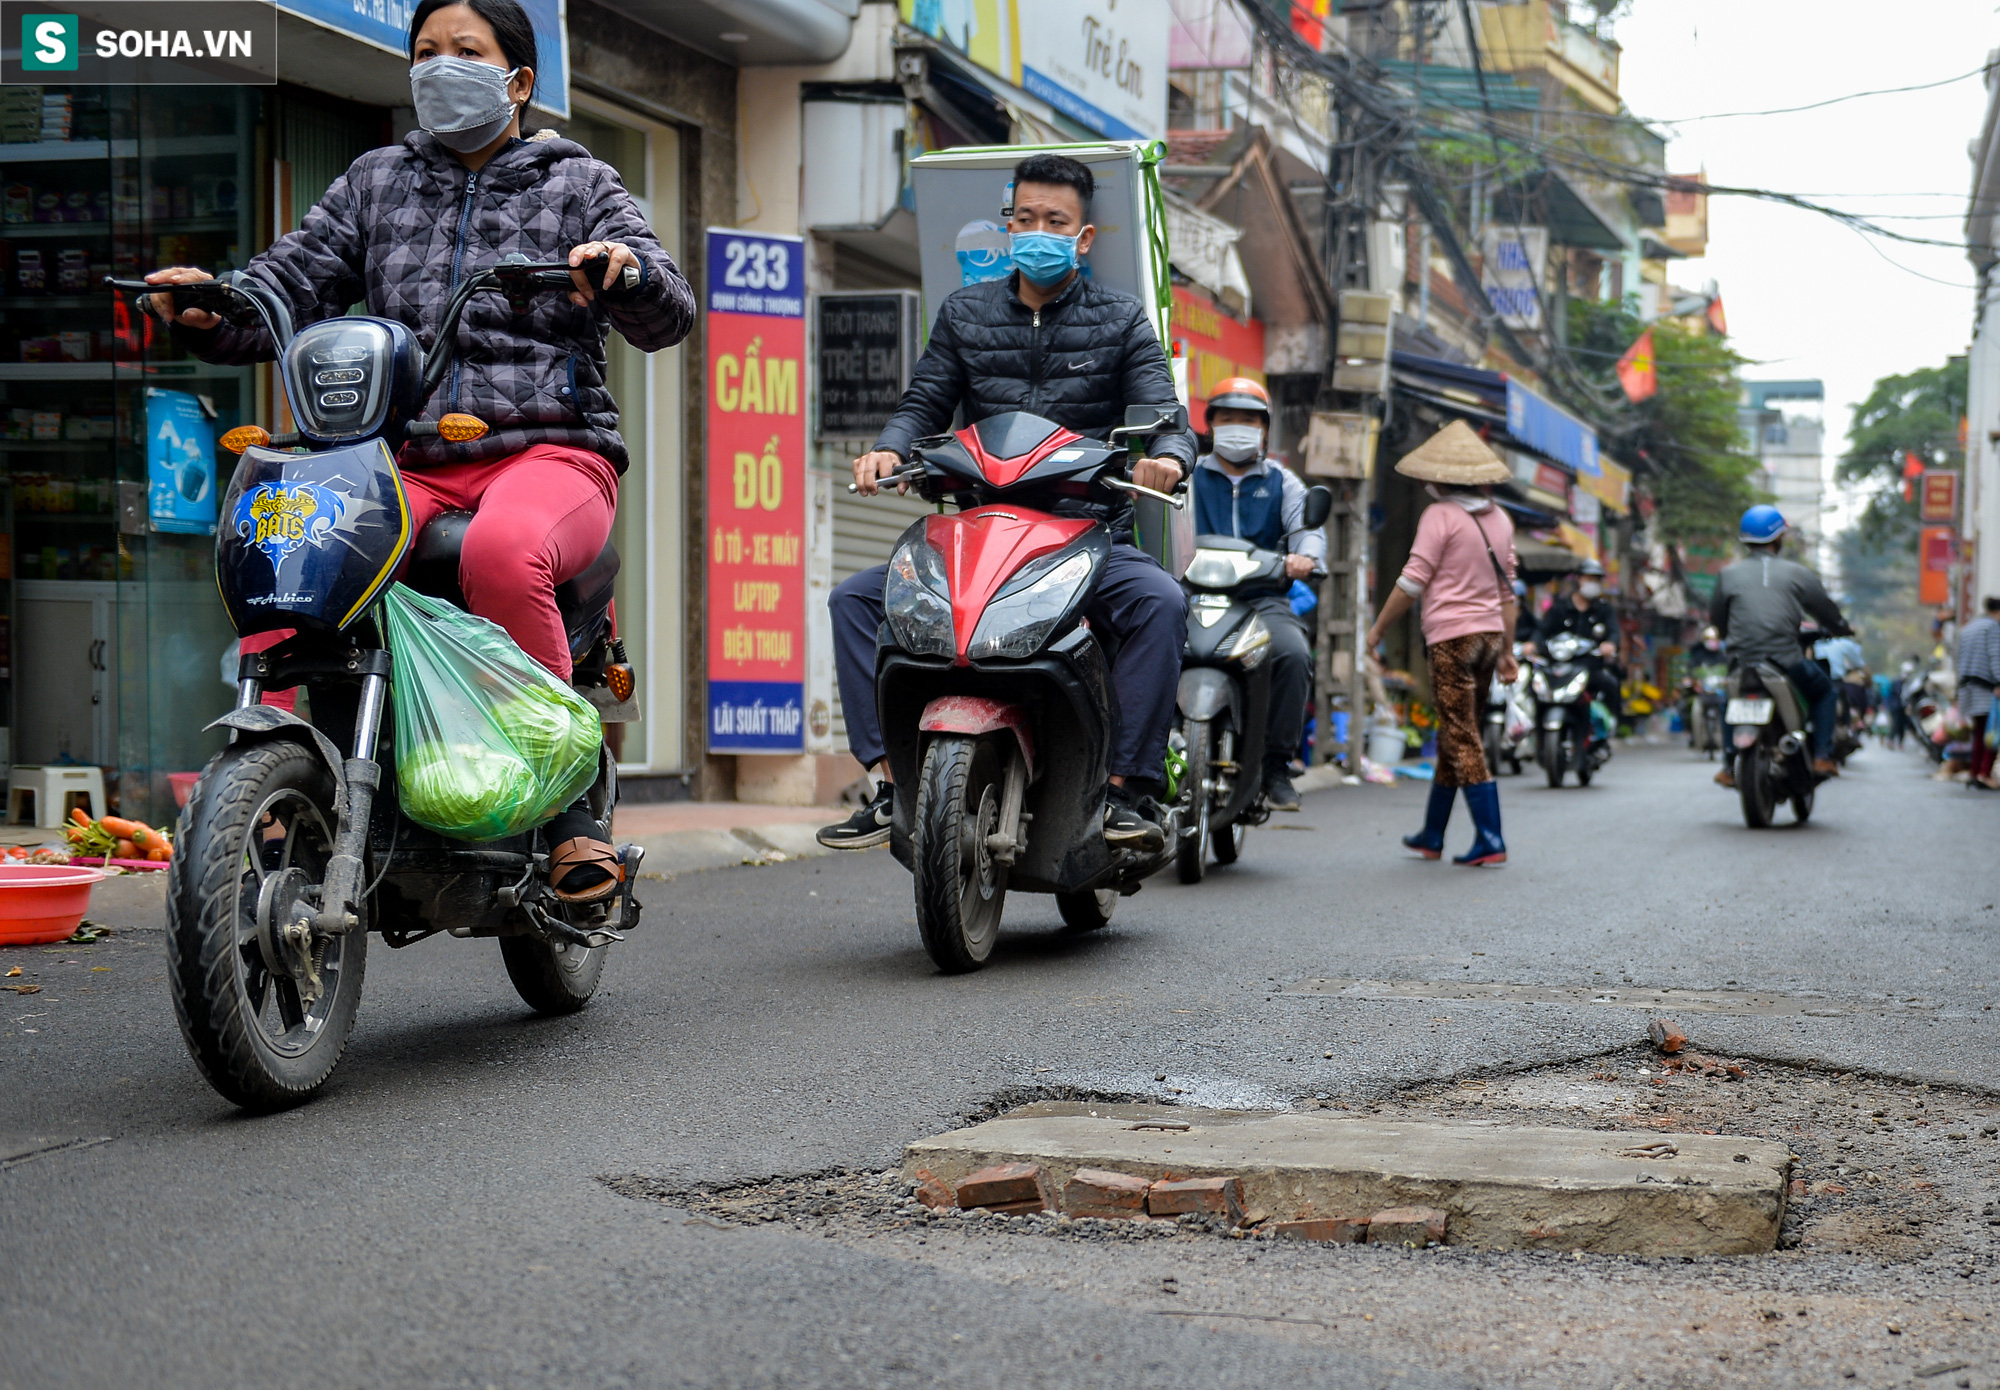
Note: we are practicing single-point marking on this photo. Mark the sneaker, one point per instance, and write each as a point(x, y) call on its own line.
point(1126, 824)
point(867, 827)
point(1726, 777)
point(1279, 793)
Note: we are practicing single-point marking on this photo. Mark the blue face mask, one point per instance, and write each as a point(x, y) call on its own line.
point(1043, 257)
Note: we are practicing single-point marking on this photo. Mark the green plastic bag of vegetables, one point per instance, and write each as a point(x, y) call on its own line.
point(488, 742)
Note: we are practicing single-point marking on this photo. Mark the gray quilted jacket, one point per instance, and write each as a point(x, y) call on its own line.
point(407, 222)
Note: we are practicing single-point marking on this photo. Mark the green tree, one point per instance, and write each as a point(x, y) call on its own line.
point(1683, 441)
point(1915, 413)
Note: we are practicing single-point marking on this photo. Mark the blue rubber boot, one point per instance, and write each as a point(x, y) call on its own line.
point(1483, 800)
point(1429, 842)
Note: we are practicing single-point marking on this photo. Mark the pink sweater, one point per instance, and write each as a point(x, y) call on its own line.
point(1450, 574)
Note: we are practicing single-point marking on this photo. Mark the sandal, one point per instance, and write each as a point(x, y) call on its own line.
point(578, 863)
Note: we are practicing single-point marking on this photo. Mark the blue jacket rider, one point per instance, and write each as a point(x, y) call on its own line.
point(1240, 492)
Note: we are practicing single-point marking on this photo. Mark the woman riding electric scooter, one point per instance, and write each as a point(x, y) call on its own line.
point(465, 191)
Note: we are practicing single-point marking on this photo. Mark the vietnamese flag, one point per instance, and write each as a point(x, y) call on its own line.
point(1913, 469)
point(1717, 319)
point(1636, 370)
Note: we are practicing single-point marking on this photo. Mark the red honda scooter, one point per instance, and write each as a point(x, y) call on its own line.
point(994, 692)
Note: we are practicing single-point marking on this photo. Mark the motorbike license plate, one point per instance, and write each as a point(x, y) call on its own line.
point(1750, 711)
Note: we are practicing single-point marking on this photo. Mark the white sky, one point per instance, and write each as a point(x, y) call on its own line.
point(1803, 294)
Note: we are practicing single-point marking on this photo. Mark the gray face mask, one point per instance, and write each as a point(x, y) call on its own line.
point(462, 102)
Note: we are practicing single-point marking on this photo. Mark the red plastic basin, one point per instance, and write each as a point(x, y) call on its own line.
point(43, 902)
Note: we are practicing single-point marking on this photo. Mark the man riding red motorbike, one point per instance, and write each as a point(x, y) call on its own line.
point(1050, 341)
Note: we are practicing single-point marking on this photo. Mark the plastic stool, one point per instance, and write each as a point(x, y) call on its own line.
point(55, 789)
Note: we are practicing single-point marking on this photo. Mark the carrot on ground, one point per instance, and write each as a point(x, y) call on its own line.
point(121, 828)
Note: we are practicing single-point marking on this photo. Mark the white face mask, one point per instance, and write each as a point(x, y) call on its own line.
point(1590, 588)
point(1239, 443)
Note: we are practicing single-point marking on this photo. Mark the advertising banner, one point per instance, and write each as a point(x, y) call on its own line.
point(1215, 348)
point(756, 481)
point(180, 463)
point(1938, 498)
point(1512, 273)
point(386, 25)
point(1935, 552)
point(962, 237)
point(1101, 64)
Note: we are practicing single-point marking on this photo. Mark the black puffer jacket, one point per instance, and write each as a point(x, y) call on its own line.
point(1079, 361)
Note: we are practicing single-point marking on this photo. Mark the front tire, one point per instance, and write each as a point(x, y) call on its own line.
point(1228, 843)
point(254, 841)
point(1087, 910)
point(1549, 753)
point(1494, 735)
point(552, 979)
point(960, 889)
point(1191, 855)
point(1753, 786)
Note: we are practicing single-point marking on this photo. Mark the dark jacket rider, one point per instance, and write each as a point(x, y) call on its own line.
point(1759, 604)
point(1052, 341)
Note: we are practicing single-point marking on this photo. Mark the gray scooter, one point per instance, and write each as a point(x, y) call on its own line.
point(1225, 693)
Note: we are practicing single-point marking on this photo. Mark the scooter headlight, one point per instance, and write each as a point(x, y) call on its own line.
point(1016, 624)
point(1218, 569)
point(917, 597)
point(1572, 688)
point(1540, 684)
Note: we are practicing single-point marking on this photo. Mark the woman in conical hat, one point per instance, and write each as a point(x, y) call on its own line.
point(1461, 569)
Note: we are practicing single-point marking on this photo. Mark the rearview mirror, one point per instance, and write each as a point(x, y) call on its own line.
point(1319, 506)
point(1150, 419)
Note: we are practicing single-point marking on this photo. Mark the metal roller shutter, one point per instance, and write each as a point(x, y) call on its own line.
point(864, 532)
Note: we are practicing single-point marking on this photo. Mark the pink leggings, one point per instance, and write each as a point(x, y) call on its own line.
point(539, 517)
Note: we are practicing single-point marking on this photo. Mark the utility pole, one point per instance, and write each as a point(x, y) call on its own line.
point(1354, 189)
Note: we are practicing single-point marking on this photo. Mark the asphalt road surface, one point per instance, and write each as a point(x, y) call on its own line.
point(453, 1210)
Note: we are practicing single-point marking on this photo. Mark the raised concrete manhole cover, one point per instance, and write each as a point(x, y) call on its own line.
point(1500, 1189)
point(1694, 1001)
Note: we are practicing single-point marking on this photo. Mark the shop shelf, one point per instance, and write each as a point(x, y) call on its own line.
point(56, 151)
point(105, 371)
point(54, 301)
point(15, 231)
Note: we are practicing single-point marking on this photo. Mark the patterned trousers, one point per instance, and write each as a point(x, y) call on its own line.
point(1461, 674)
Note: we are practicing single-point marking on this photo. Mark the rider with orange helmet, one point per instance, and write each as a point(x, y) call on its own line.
point(1240, 491)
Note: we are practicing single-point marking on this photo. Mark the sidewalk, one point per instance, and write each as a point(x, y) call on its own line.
point(682, 836)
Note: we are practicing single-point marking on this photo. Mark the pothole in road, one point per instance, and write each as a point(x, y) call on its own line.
point(1897, 1172)
point(1886, 1274)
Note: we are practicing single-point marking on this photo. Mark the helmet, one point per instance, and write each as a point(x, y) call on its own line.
point(1240, 393)
point(1709, 634)
point(1762, 524)
point(1592, 569)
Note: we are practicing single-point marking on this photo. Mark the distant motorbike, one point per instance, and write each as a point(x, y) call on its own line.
point(1225, 691)
point(1706, 694)
point(1508, 729)
point(1568, 741)
point(1927, 696)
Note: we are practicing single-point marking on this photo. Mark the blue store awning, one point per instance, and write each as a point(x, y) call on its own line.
point(1549, 429)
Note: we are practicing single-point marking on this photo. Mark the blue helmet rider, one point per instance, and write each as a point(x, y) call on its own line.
point(1762, 524)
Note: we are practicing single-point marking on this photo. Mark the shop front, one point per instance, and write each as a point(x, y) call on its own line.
point(114, 650)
